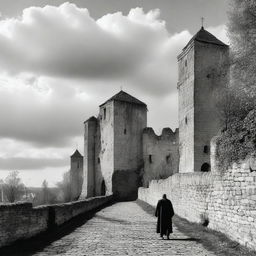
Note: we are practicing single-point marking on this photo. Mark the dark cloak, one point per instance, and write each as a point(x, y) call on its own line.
point(164, 213)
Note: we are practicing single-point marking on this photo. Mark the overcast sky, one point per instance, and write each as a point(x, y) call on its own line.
point(59, 61)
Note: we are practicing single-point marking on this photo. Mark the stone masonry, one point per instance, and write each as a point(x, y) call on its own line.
point(226, 200)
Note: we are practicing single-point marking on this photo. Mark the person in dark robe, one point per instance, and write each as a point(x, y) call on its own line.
point(164, 213)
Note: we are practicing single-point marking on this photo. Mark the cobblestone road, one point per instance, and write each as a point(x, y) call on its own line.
point(123, 229)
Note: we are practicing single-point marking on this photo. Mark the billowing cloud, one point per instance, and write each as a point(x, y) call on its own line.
point(66, 41)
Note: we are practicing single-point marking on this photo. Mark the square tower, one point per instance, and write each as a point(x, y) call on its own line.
point(113, 148)
point(122, 119)
point(203, 70)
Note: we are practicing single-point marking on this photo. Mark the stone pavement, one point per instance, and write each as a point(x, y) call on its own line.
point(123, 229)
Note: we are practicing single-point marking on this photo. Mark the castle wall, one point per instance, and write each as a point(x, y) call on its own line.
point(160, 154)
point(211, 75)
point(186, 110)
point(76, 177)
point(227, 200)
point(129, 122)
point(22, 221)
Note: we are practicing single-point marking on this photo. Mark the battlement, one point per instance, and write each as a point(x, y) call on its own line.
point(167, 134)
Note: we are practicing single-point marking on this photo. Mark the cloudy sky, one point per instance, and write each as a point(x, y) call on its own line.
point(60, 60)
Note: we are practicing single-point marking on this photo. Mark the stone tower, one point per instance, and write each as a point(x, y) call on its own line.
point(76, 174)
point(90, 129)
point(203, 70)
point(113, 148)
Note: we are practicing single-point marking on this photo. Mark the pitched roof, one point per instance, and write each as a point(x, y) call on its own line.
point(76, 154)
point(205, 37)
point(124, 97)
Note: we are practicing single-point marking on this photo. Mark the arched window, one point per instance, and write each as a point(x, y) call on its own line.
point(205, 167)
point(150, 158)
point(206, 149)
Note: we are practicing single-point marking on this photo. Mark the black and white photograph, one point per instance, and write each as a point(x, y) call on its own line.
point(127, 127)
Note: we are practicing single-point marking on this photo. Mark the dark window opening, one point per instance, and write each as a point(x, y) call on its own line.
point(104, 113)
point(168, 158)
point(78, 165)
point(208, 76)
point(124, 131)
point(98, 160)
point(186, 120)
point(103, 188)
point(206, 149)
point(150, 158)
point(186, 63)
point(205, 167)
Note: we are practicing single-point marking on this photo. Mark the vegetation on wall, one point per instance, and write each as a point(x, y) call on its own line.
point(237, 102)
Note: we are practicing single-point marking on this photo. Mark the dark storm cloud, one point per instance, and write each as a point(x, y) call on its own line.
point(19, 163)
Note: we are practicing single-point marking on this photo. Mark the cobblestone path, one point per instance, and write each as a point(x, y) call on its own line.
point(123, 229)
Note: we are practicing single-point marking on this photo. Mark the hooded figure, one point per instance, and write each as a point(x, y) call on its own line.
point(164, 213)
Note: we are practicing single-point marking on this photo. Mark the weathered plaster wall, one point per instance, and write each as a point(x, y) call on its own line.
point(21, 221)
point(76, 177)
point(211, 75)
point(227, 201)
point(186, 109)
point(129, 122)
point(203, 70)
point(160, 154)
point(104, 160)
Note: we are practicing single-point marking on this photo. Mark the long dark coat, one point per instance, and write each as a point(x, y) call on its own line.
point(164, 213)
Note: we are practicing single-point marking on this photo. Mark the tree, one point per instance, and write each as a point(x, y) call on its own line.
point(45, 192)
point(65, 187)
point(13, 187)
point(242, 35)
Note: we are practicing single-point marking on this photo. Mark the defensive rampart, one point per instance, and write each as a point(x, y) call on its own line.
point(227, 201)
point(22, 221)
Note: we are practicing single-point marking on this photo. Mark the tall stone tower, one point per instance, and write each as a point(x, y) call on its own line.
point(76, 174)
point(113, 148)
point(203, 70)
point(90, 130)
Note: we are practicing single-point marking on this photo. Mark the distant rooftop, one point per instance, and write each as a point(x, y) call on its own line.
point(125, 97)
point(76, 154)
point(205, 37)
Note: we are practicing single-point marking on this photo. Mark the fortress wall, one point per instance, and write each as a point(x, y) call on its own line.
point(160, 154)
point(227, 201)
point(20, 221)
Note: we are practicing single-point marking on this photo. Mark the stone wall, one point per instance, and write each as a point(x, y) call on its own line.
point(227, 200)
point(22, 221)
point(160, 154)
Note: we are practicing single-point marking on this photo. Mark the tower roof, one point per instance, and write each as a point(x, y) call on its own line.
point(76, 154)
point(205, 37)
point(124, 97)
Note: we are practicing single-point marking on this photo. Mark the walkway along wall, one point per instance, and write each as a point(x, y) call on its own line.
point(227, 201)
point(22, 221)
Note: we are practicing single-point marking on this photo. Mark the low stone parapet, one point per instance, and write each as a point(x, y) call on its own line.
point(22, 221)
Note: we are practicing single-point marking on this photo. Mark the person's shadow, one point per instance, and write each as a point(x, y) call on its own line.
point(183, 239)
